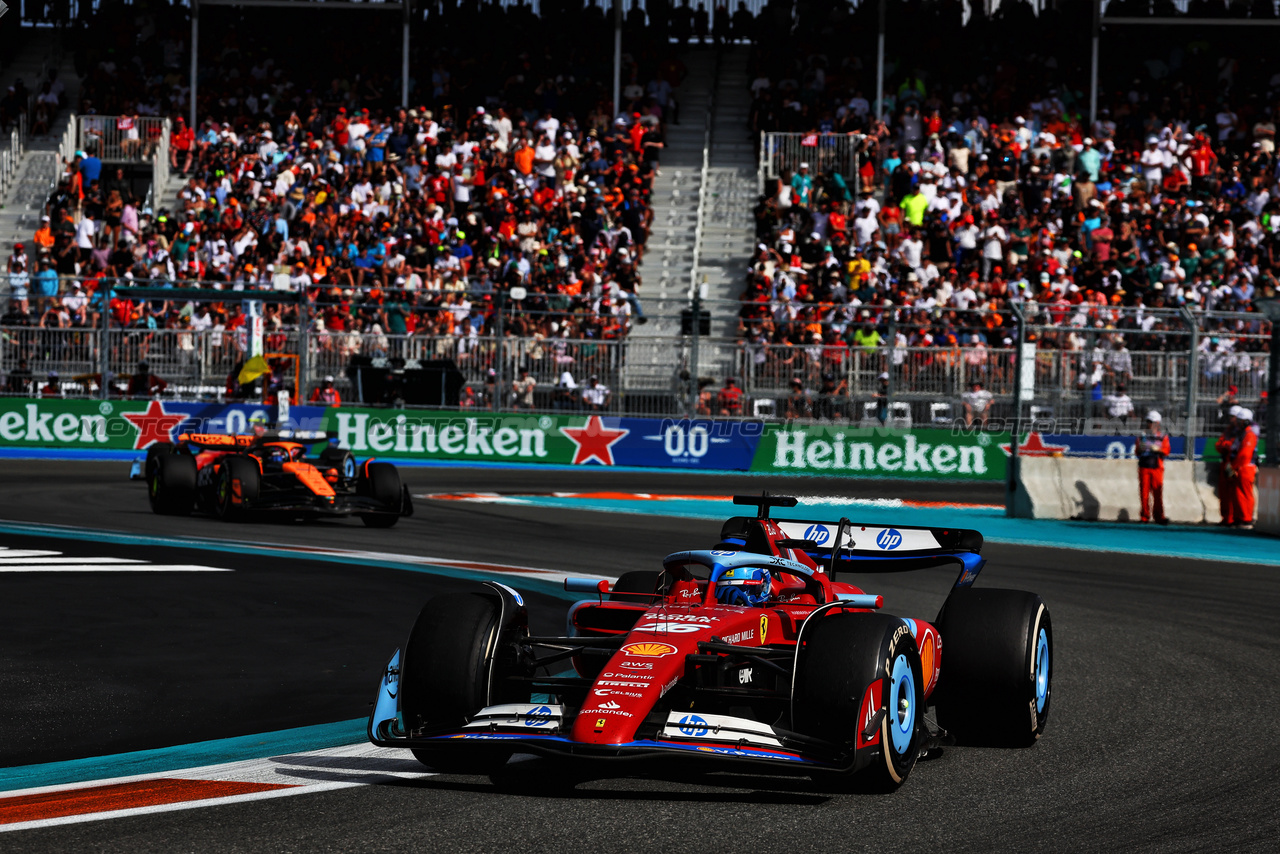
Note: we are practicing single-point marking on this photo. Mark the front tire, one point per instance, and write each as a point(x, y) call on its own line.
point(446, 677)
point(996, 681)
point(381, 482)
point(841, 656)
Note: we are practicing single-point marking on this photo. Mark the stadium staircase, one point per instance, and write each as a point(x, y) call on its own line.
point(723, 246)
point(23, 202)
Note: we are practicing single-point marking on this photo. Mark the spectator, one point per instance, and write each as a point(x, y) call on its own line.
point(20, 379)
point(1118, 404)
point(143, 383)
point(566, 392)
point(325, 394)
point(799, 405)
point(595, 397)
point(977, 404)
point(522, 389)
point(729, 400)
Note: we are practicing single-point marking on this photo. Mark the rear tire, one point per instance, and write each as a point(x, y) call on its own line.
point(237, 468)
point(381, 482)
point(172, 488)
point(445, 678)
point(840, 656)
point(157, 450)
point(343, 461)
point(996, 680)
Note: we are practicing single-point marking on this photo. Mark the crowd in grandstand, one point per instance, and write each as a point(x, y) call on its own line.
point(984, 191)
point(981, 188)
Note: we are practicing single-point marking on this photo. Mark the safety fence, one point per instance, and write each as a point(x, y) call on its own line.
point(1095, 391)
point(782, 153)
point(121, 139)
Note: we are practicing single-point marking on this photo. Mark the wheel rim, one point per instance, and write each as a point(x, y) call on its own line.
point(1042, 670)
point(902, 705)
point(349, 467)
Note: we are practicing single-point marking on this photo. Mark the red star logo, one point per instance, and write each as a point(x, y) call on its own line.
point(154, 425)
point(1035, 447)
point(594, 441)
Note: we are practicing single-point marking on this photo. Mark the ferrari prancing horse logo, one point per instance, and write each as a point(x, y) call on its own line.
point(764, 628)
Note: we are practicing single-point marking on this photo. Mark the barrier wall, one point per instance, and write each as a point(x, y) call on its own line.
point(1102, 486)
point(1268, 500)
point(1107, 490)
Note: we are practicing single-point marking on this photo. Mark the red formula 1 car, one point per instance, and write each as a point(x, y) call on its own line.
point(270, 473)
point(748, 652)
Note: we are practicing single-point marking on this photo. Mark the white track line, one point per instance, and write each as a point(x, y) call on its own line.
point(309, 772)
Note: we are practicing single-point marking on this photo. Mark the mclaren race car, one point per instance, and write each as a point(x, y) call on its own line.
point(270, 473)
point(749, 652)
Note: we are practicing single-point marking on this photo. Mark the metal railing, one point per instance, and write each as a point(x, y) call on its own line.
point(159, 169)
point(782, 153)
point(11, 156)
point(121, 139)
point(931, 384)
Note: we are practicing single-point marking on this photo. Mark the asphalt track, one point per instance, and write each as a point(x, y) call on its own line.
point(1162, 737)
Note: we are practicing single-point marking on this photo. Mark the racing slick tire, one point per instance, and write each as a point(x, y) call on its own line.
point(154, 452)
point(445, 679)
point(172, 486)
point(381, 481)
point(236, 467)
point(343, 461)
point(996, 680)
point(637, 586)
point(840, 656)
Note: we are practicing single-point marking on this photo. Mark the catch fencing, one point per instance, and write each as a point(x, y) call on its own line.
point(121, 139)
point(826, 153)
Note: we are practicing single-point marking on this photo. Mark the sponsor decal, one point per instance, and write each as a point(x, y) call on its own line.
point(617, 712)
point(888, 539)
point(668, 686)
point(1035, 446)
point(818, 533)
point(594, 441)
point(723, 553)
point(870, 705)
point(600, 722)
point(541, 716)
point(967, 578)
point(519, 599)
point(637, 665)
point(636, 677)
point(154, 425)
point(605, 692)
point(752, 754)
point(898, 633)
point(608, 705)
point(736, 637)
point(764, 628)
point(649, 649)
point(669, 627)
point(617, 683)
point(918, 452)
point(693, 726)
point(744, 676)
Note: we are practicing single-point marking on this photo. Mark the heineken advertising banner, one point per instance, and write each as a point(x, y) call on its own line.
point(130, 424)
point(560, 439)
point(937, 453)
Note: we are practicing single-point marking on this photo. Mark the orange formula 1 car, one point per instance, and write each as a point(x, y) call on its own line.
point(235, 476)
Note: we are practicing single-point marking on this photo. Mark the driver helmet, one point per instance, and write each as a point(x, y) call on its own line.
point(747, 586)
point(276, 454)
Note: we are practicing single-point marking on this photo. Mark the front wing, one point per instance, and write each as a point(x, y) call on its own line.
point(537, 729)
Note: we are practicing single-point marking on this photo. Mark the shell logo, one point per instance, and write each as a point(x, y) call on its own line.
point(649, 650)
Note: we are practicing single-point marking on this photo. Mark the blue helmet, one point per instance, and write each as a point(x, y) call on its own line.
point(748, 586)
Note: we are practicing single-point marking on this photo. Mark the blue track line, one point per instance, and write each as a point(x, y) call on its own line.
point(164, 759)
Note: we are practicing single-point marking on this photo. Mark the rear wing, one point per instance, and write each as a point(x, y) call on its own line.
point(847, 546)
point(246, 440)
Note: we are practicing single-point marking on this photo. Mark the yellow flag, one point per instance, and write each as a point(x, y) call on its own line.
point(254, 368)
